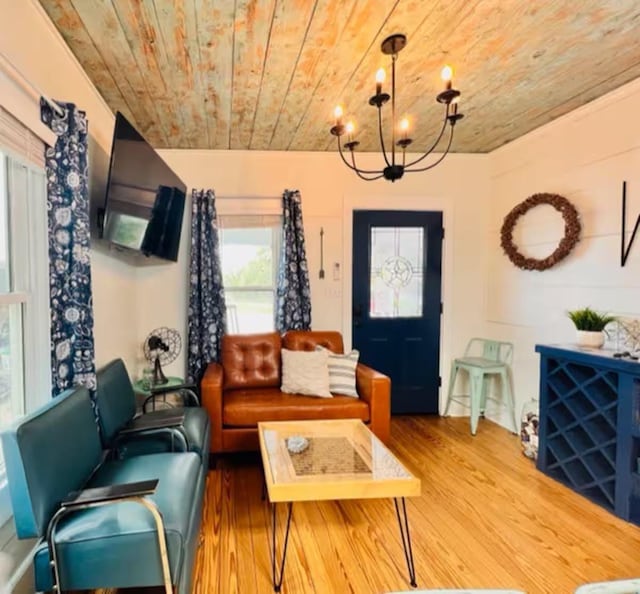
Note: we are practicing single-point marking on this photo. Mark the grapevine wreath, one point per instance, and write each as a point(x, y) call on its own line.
point(567, 243)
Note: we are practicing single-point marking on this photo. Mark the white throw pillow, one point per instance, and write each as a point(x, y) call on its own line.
point(342, 372)
point(305, 372)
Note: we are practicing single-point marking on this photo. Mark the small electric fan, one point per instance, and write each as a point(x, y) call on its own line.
point(161, 347)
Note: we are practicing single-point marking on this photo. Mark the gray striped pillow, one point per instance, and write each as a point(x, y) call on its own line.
point(342, 372)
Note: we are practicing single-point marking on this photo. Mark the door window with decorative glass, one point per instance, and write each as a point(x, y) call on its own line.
point(396, 272)
point(250, 248)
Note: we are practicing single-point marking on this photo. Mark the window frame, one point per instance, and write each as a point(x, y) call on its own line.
point(28, 261)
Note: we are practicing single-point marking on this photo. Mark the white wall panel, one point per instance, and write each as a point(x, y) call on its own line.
point(583, 156)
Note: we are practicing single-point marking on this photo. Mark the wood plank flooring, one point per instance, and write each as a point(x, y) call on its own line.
point(486, 518)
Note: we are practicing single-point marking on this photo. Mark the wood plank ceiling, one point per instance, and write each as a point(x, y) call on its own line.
point(266, 74)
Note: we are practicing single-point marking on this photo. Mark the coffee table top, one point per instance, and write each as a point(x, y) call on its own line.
point(343, 459)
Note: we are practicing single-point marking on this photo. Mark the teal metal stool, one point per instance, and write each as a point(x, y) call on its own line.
point(482, 359)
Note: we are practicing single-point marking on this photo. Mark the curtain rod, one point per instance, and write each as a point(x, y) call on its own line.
point(7, 66)
point(248, 197)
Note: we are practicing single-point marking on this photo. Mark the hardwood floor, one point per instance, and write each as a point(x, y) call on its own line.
point(486, 518)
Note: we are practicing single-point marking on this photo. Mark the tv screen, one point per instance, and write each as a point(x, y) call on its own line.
point(145, 199)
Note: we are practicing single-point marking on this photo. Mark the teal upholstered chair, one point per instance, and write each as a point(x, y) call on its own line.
point(483, 359)
point(630, 586)
point(122, 429)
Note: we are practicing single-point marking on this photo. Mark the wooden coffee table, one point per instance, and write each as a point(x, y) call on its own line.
point(342, 459)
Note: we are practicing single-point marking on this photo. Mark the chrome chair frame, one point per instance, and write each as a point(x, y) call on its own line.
point(70, 507)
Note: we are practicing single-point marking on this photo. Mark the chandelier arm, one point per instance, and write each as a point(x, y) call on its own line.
point(377, 175)
point(433, 146)
point(384, 151)
point(354, 166)
point(367, 178)
point(446, 152)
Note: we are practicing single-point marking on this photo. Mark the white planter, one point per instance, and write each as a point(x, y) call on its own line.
point(591, 340)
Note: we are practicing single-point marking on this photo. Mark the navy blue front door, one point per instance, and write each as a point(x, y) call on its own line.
point(396, 303)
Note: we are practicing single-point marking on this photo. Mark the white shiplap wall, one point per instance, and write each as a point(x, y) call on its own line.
point(583, 156)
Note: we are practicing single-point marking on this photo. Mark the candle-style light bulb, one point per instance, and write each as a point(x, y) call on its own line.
point(338, 112)
point(350, 128)
point(447, 75)
point(404, 127)
point(380, 77)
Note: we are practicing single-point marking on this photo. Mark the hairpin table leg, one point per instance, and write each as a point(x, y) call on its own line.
point(278, 575)
point(403, 522)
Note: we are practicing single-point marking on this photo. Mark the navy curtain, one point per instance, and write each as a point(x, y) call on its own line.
point(72, 346)
point(293, 310)
point(207, 314)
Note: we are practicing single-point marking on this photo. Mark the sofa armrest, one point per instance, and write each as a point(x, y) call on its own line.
point(375, 388)
point(110, 492)
point(169, 429)
point(144, 422)
point(211, 395)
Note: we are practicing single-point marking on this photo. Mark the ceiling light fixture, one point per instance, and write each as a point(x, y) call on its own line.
point(449, 98)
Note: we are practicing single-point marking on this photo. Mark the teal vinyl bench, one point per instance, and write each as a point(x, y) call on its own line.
point(102, 522)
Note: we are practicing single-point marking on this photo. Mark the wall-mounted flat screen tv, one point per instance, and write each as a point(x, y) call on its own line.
point(145, 199)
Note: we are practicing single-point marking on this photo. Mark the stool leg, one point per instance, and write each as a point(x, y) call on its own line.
point(452, 381)
point(483, 394)
point(507, 391)
point(476, 380)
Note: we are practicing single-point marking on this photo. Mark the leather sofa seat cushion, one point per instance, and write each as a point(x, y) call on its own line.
point(304, 340)
point(246, 408)
point(87, 539)
point(251, 361)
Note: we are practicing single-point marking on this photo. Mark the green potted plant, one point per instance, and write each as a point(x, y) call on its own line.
point(590, 326)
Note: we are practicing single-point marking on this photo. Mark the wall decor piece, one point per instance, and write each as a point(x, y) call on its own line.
point(321, 273)
point(624, 252)
point(567, 243)
point(624, 335)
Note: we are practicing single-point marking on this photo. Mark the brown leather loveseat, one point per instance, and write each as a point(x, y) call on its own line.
point(244, 389)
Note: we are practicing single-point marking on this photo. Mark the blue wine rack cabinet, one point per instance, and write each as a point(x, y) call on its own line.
point(589, 433)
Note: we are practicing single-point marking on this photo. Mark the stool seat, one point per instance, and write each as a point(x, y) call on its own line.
point(478, 362)
point(482, 359)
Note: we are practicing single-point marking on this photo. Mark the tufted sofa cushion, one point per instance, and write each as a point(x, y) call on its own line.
point(302, 340)
point(251, 361)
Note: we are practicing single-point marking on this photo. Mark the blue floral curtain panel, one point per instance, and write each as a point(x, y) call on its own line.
point(207, 314)
point(72, 346)
point(293, 310)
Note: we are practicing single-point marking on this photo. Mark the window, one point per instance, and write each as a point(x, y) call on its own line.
point(24, 315)
point(250, 249)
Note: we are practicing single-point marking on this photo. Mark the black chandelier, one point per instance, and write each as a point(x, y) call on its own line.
point(393, 171)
